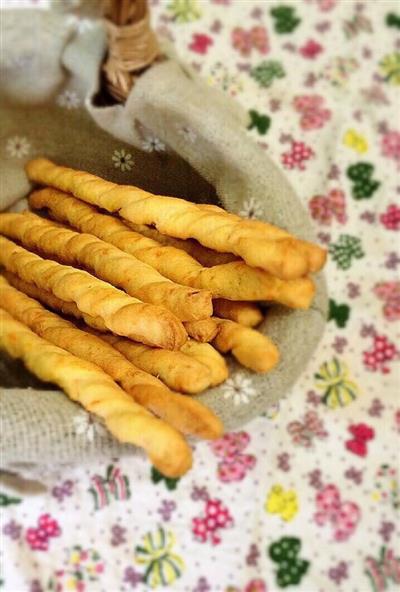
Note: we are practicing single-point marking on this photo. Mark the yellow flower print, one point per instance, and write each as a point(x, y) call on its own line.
point(390, 68)
point(333, 378)
point(70, 584)
point(162, 566)
point(281, 502)
point(75, 557)
point(352, 139)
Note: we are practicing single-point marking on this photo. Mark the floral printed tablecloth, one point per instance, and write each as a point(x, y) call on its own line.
point(306, 496)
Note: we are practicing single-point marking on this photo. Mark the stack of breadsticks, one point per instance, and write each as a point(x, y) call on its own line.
point(154, 289)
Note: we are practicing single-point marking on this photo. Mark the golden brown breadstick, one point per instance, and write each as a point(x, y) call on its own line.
point(86, 384)
point(203, 331)
point(235, 281)
point(207, 257)
point(207, 355)
point(279, 254)
point(251, 348)
point(244, 313)
point(177, 370)
point(106, 262)
point(122, 314)
point(189, 418)
point(51, 301)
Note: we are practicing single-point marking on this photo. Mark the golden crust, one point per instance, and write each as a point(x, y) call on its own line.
point(214, 228)
point(121, 313)
point(207, 355)
point(244, 313)
point(190, 418)
point(108, 263)
point(86, 384)
point(251, 348)
point(203, 331)
point(234, 281)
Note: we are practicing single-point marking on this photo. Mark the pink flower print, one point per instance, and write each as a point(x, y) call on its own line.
point(389, 292)
point(314, 115)
point(391, 218)
point(256, 585)
point(200, 43)
point(297, 156)
point(324, 5)
point(216, 517)
point(325, 209)
point(38, 538)
point(390, 145)
point(255, 38)
point(342, 516)
point(234, 464)
point(311, 49)
point(383, 351)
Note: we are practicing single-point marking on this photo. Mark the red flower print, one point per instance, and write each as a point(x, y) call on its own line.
point(361, 433)
point(256, 585)
point(342, 516)
point(38, 538)
point(325, 209)
point(382, 352)
point(391, 218)
point(234, 464)
point(311, 49)
point(216, 517)
point(200, 43)
point(255, 38)
point(297, 156)
point(314, 115)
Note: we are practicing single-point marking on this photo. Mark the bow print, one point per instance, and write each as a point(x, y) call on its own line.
point(303, 433)
point(246, 41)
point(234, 464)
point(352, 139)
point(343, 516)
point(361, 435)
point(327, 208)
point(281, 502)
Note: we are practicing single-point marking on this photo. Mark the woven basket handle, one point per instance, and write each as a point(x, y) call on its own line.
point(132, 44)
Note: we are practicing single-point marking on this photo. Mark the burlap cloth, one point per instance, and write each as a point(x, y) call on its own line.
point(184, 139)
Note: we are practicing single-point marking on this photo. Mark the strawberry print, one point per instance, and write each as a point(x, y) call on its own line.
point(297, 156)
point(38, 538)
point(329, 208)
point(391, 217)
point(255, 38)
point(200, 43)
point(342, 516)
point(313, 113)
point(234, 464)
point(381, 353)
point(216, 517)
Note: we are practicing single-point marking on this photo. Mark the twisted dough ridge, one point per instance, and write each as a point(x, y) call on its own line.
point(182, 414)
point(244, 313)
point(251, 348)
point(108, 263)
point(277, 252)
point(122, 314)
point(86, 384)
point(203, 331)
point(235, 280)
point(207, 355)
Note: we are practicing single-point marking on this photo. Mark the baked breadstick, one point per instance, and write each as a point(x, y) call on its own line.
point(244, 313)
point(207, 257)
point(47, 298)
point(177, 370)
point(280, 255)
point(122, 314)
point(108, 263)
point(207, 355)
point(203, 331)
point(251, 348)
point(190, 418)
point(234, 281)
point(86, 384)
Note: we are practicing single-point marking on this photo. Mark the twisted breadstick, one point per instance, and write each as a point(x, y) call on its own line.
point(207, 355)
point(122, 314)
point(203, 331)
point(47, 298)
point(108, 263)
point(244, 313)
point(185, 415)
point(235, 280)
point(251, 348)
point(177, 370)
point(86, 384)
point(279, 254)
